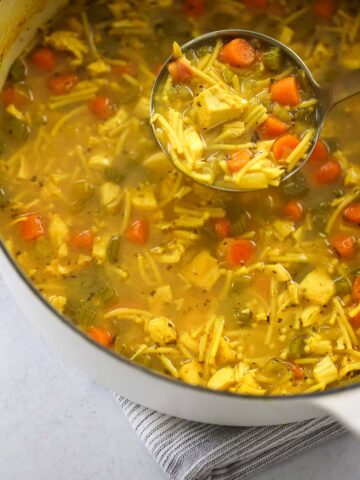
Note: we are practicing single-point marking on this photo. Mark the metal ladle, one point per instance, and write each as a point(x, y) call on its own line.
point(341, 89)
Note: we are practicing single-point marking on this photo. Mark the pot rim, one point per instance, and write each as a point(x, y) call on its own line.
point(153, 373)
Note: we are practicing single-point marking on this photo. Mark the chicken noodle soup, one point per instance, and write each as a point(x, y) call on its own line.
point(237, 114)
point(254, 293)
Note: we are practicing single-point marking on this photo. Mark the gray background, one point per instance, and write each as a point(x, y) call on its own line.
point(57, 424)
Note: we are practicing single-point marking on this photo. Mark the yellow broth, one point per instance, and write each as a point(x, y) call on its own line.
point(238, 292)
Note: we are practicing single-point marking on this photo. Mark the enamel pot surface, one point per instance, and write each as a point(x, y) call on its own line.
point(18, 23)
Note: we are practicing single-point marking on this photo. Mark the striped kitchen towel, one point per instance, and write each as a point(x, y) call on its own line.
point(196, 451)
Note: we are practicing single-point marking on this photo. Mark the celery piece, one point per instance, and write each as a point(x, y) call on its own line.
point(108, 295)
point(241, 224)
point(112, 249)
point(273, 59)
point(17, 128)
point(342, 286)
point(242, 316)
point(18, 71)
point(113, 175)
point(295, 186)
point(296, 347)
point(240, 282)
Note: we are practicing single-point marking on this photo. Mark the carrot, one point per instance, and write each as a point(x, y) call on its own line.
point(31, 228)
point(320, 152)
point(138, 231)
point(62, 83)
point(222, 227)
point(324, 8)
point(298, 372)
point(180, 70)
point(355, 321)
point(352, 213)
point(10, 96)
point(44, 59)
point(256, 4)
point(293, 210)
point(343, 244)
point(356, 289)
point(100, 335)
point(284, 145)
point(238, 160)
point(329, 172)
point(101, 107)
point(285, 91)
point(193, 8)
point(83, 240)
point(272, 127)
point(238, 53)
point(240, 251)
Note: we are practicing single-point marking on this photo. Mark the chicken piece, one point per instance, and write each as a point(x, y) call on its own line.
point(162, 331)
point(203, 271)
point(68, 41)
point(110, 196)
point(58, 302)
point(215, 105)
point(97, 68)
point(144, 199)
point(160, 298)
point(193, 143)
point(58, 234)
point(222, 379)
point(192, 372)
point(225, 353)
point(317, 287)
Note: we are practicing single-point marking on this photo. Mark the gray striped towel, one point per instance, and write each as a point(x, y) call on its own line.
point(195, 451)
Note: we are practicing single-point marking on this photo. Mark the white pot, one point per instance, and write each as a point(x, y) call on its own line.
point(18, 19)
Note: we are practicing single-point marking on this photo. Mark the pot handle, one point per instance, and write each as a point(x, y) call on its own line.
point(344, 406)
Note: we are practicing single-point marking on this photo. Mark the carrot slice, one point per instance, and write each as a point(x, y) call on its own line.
point(193, 8)
point(256, 4)
point(293, 210)
point(298, 372)
point(101, 335)
point(238, 160)
point(238, 53)
point(180, 70)
point(343, 244)
point(285, 92)
point(284, 145)
point(352, 213)
point(101, 107)
point(272, 127)
point(62, 83)
point(44, 59)
point(138, 231)
point(355, 321)
point(320, 152)
point(83, 240)
point(240, 252)
point(31, 228)
point(10, 96)
point(324, 8)
point(356, 288)
point(222, 227)
point(329, 172)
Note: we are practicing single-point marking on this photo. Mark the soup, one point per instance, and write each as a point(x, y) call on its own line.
point(253, 293)
point(236, 114)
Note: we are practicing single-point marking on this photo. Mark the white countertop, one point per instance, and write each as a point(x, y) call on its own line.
point(57, 424)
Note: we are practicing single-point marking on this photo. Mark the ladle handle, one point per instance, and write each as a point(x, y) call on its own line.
point(343, 88)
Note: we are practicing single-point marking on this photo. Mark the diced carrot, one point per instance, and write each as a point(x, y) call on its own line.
point(355, 321)
point(121, 69)
point(284, 145)
point(222, 227)
point(298, 372)
point(356, 289)
point(101, 335)
point(62, 83)
point(44, 59)
point(329, 172)
point(285, 92)
point(101, 107)
point(238, 160)
point(180, 70)
point(262, 284)
point(256, 4)
point(293, 210)
point(320, 152)
point(10, 96)
point(238, 53)
point(240, 251)
point(325, 8)
point(83, 240)
point(352, 213)
point(343, 244)
point(138, 231)
point(193, 8)
point(272, 127)
point(31, 228)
